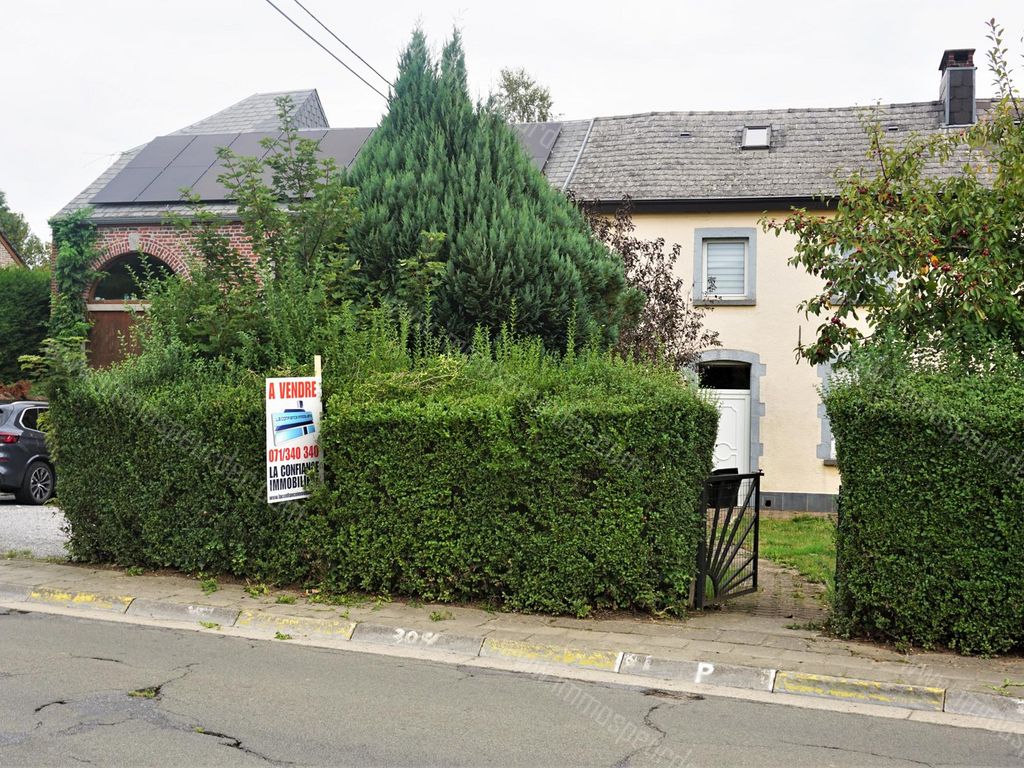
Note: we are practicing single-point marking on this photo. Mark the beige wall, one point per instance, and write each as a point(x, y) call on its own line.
point(772, 328)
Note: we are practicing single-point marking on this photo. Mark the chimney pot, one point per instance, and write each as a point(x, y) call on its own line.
point(956, 57)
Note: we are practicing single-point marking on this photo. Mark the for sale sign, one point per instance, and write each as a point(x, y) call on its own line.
point(293, 431)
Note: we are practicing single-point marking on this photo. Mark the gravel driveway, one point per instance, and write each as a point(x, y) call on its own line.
point(36, 529)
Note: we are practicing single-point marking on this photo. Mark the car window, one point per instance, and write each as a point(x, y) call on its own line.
point(5, 412)
point(30, 418)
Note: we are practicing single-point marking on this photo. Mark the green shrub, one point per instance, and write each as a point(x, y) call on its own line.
point(509, 475)
point(547, 486)
point(24, 314)
point(931, 526)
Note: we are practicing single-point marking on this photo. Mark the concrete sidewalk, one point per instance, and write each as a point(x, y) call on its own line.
point(728, 648)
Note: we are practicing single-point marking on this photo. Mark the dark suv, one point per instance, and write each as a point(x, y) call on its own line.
point(25, 466)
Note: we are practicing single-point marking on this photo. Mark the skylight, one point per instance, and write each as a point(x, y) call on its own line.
point(757, 137)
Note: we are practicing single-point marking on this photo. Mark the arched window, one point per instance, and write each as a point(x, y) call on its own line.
point(124, 276)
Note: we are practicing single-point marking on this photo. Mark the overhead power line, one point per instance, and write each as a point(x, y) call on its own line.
point(347, 46)
point(326, 50)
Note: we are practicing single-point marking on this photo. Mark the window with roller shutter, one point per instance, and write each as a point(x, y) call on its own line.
point(725, 266)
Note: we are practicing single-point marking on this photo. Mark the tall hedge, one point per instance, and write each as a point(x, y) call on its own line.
point(544, 492)
point(24, 315)
point(535, 483)
point(931, 509)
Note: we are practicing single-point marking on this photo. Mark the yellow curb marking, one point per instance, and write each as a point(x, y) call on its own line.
point(300, 624)
point(551, 654)
point(83, 599)
point(850, 689)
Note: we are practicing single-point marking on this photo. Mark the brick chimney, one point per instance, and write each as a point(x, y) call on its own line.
point(956, 90)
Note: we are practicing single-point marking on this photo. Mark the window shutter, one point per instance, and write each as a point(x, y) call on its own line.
point(726, 264)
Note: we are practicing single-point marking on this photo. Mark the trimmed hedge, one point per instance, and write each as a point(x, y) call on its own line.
point(531, 482)
point(556, 490)
point(24, 315)
point(931, 527)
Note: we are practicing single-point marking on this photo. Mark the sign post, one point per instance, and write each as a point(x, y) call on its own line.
point(293, 407)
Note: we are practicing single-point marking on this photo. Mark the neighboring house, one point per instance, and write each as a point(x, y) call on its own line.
point(701, 179)
point(8, 256)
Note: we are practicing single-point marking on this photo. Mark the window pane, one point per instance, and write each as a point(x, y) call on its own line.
point(30, 418)
point(726, 262)
point(756, 137)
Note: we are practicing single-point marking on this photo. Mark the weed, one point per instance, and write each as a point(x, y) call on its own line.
point(807, 626)
point(13, 553)
point(209, 624)
point(441, 615)
point(134, 570)
point(1003, 690)
point(209, 586)
point(145, 693)
point(285, 599)
point(256, 590)
point(282, 636)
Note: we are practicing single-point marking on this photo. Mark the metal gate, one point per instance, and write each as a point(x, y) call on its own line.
point(727, 554)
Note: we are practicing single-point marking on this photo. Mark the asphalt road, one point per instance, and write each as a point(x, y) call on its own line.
point(216, 700)
point(33, 529)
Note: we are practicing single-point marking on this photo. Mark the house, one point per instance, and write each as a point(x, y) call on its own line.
point(701, 179)
point(8, 255)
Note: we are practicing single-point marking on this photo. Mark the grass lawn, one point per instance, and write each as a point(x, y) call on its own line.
point(806, 543)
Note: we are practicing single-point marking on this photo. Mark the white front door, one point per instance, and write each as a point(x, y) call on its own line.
point(732, 446)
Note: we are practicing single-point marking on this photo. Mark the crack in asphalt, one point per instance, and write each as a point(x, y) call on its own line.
point(99, 658)
point(860, 752)
point(649, 723)
point(41, 707)
point(236, 743)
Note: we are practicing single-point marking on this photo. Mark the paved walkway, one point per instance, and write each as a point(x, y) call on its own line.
point(761, 637)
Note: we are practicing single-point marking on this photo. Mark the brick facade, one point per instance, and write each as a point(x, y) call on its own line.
point(162, 241)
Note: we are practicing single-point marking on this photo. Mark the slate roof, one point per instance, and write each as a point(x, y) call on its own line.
point(259, 113)
point(696, 156)
point(656, 157)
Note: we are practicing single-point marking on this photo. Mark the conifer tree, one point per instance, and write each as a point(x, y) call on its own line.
point(513, 245)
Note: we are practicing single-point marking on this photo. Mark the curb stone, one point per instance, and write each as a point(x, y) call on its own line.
point(990, 705)
point(331, 629)
point(14, 592)
point(162, 609)
point(518, 650)
point(699, 672)
point(862, 691)
point(437, 641)
point(88, 600)
point(959, 702)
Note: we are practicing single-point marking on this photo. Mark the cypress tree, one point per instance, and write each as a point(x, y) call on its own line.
point(513, 243)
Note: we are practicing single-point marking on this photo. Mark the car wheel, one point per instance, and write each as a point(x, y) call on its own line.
point(37, 488)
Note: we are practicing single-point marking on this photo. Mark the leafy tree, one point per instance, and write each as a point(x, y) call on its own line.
point(17, 231)
point(513, 246)
point(276, 310)
point(664, 325)
point(520, 99)
point(24, 314)
point(936, 261)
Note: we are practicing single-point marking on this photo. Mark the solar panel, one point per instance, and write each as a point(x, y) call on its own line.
point(244, 144)
point(142, 169)
point(538, 139)
point(343, 144)
point(169, 163)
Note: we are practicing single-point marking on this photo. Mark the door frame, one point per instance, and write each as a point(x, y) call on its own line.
point(757, 407)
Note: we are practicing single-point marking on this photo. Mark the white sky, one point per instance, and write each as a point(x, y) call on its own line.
point(85, 79)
